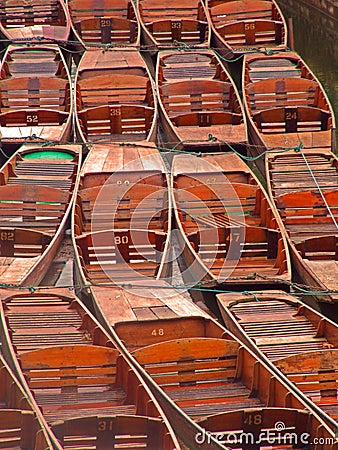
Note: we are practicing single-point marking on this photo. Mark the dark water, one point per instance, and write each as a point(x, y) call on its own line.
point(316, 40)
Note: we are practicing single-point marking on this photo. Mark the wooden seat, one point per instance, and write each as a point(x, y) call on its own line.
point(31, 92)
point(107, 30)
point(71, 381)
point(189, 31)
point(16, 14)
point(239, 10)
point(253, 32)
point(27, 206)
point(114, 89)
point(20, 243)
point(184, 97)
point(281, 92)
point(106, 431)
point(115, 122)
point(292, 120)
point(317, 248)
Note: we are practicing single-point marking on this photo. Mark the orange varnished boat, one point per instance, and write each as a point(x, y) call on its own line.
point(228, 230)
point(175, 23)
point(37, 186)
point(122, 215)
point(104, 22)
point(36, 98)
point(34, 20)
point(115, 97)
point(241, 26)
point(89, 394)
point(200, 105)
point(199, 373)
point(308, 205)
point(299, 340)
point(286, 105)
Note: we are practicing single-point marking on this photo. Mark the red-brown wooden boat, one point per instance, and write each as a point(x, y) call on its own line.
point(89, 394)
point(299, 340)
point(122, 215)
point(36, 98)
point(199, 102)
point(198, 372)
point(34, 20)
point(241, 26)
point(308, 205)
point(37, 187)
point(115, 97)
point(286, 105)
point(104, 22)
point(228, 230)
point(178, 23)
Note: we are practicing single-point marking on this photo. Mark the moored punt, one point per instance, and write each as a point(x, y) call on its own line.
point(300, 341)
point(20, 423)
point(121, 216)
point(104, 22)
point(200, 104)
point(88, 393)
point(175, 23)
point(115, 97)
point(241, 26)
point(286, 105)
point(308, 205)
point(34, 20)
point(36, 98)
point(228, 230)
point(37, 186)
point(198, 372)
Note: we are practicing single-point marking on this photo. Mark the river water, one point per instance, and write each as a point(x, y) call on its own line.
point(316, 40)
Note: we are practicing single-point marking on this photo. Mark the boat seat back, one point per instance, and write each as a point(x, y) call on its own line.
point(253, 32)
point(35, 92)
point(121, 246)
point(284, 92)
point(119, 120)
point(111, 431)
point(114, 89)
point(15, 13)
point(107, 30)
point(317, 248)
point(236, 11)
point(33, 117)
point(184, 97)
point(17, 428)
point(292, 120)
point(21, 243)
point(178, 29)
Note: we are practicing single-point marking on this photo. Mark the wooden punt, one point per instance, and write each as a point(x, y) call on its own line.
point(115, 97)
point(121, 219)
point(104, 22)
point(34, 20)
point(286, 105)
point(20, 423)
point(178, 23)
point(89, 394)
point(36, 98)
point(37, 186)
point(297, 339)
point(199, 373)
point(304, 189)
point(200, 104)
point(228, 230)
point(241, 26)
